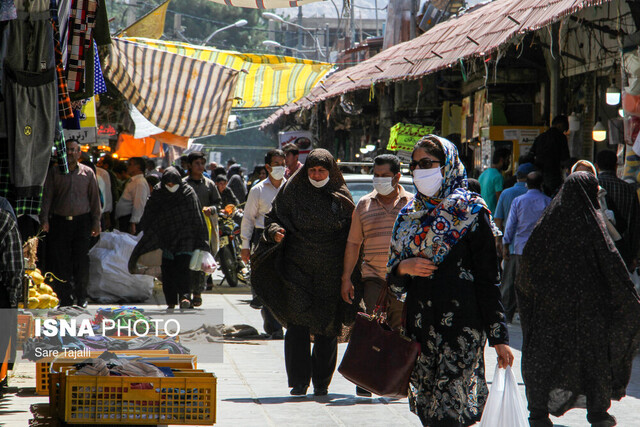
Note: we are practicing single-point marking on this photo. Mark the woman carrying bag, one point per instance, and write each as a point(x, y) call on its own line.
point(443, 258)
point(172, 221)
point(297, 268)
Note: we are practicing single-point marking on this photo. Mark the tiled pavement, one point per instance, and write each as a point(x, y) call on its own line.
point(252, 386)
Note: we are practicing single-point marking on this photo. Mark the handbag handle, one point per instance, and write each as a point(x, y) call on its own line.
point(380, 311)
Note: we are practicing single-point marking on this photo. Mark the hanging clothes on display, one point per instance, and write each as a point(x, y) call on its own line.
point(64, 102)
point(81, 24)
point(30, 91)
point(99, 85)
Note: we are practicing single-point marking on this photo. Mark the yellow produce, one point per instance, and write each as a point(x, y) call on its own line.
point(45, 301)
point(33, 302)
point(45, 289)
point(33, 293)
point(36, 277)
point(54, 302)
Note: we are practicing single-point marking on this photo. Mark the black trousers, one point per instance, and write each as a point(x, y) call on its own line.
point(68, 255)
point(303, 366)
point(123, 223)
point(176, 280)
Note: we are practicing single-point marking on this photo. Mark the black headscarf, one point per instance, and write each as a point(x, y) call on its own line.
point(172, 222)
point(299, 279)
point(579, 310)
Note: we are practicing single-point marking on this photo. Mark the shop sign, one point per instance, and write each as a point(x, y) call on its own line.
point(107, 130)
point(404, 136)
point(83, 136)
point(302, 138)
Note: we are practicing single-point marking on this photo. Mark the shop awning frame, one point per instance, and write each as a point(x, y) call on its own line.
point(477, 33)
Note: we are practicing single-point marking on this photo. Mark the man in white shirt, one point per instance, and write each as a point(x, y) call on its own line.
point(134, 197)
point(258, 205)
point(104, 185)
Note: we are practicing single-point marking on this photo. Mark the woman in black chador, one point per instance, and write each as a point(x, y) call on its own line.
point(297, 266)
point(579, 310)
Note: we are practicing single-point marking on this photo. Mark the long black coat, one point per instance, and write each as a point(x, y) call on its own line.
point(299, 279)
point(579, 310)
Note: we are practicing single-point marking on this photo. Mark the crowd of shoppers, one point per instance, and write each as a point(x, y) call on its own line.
point(568, 245)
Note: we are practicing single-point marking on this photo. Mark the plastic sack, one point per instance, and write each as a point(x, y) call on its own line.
point(109, 277)
point(202, 261)
point(504, 406)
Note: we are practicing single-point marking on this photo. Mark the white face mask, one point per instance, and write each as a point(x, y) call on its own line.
point(319, 184)
point(172, 189)
point(383, 185)
point(277, 172)
point(428, 181)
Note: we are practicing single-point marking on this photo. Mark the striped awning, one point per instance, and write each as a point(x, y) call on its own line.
point(264, 4)
point(181, 95)
point(269, 81)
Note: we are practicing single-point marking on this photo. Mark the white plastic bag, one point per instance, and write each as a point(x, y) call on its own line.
point(504, 406)
point(202, 261)
point(109, 277)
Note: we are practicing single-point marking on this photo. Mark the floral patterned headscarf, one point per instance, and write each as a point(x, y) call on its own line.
point(430, 226)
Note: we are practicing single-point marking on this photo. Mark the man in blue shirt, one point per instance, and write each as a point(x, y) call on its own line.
point(501, 215)
point(491, 181)
point(525, 212)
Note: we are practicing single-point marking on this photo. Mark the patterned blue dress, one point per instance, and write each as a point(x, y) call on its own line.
point(451, 315)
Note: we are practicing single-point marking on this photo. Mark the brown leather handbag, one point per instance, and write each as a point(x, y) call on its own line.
point(378, 359)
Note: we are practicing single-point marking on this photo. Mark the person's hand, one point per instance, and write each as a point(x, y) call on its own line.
point(107, 221)
point(95, 231)
point(505, 356)
point(347, 290)
point(499, 246)
point(132, 228)
point(45, 227)
point(279, 235)
point(417, 267)
point(246, 255)
point(207, 211)
point(505, 253)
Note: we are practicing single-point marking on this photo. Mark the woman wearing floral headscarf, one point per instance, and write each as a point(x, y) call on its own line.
point(443, 258)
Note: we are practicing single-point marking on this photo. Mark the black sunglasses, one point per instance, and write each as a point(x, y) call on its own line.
point(423, 163)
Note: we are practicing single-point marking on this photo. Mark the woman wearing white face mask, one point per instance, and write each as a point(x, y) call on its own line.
point(443, 257)
point(297, 266)
point(172, 221)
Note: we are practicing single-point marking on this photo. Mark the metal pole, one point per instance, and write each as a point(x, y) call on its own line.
point(315, 34)
point(412, 29)
point(326, 40)
point(299, 46)
point(554, 75)
point(375, 5)
point(352, 22)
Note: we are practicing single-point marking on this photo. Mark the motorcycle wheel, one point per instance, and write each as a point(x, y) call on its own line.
point(229, 266)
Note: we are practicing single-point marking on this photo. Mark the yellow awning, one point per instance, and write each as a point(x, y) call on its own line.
point(269, 81)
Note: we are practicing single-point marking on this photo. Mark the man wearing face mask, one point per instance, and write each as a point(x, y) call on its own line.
point(258, 205)
point(371, 225)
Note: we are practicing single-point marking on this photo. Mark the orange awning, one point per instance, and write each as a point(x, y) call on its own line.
point(128, 147)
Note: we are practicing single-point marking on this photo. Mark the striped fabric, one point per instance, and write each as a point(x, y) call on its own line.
point(270, 80)
point(181, 95)
point(264, 4)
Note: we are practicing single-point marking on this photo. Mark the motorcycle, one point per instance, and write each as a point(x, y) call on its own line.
point(228, 256)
